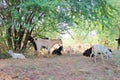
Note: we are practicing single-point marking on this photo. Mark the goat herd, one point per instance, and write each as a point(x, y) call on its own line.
point(46, 43)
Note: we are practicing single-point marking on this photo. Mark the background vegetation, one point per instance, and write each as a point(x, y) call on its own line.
point(51, 18)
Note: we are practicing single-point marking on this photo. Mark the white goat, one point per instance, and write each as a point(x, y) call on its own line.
point(102, 50)
point(16, 55)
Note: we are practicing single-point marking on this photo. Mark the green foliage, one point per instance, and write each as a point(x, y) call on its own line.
point(22, 17)
point(3, 42)
point(4, 56)
point(107, 37)
point(114, 3)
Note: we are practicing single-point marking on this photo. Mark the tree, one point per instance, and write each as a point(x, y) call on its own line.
point(20, 17)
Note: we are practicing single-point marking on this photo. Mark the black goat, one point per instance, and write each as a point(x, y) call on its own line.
point(45, 38)
point(118, 40)
point(58, 51)
point(88, 52)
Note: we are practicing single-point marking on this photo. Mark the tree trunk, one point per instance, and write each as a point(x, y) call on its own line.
point(26, 40)
point(20, 35)
point(15, 39)
point(9, 39)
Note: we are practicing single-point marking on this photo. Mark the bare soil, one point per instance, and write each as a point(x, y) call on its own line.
point(65, 67)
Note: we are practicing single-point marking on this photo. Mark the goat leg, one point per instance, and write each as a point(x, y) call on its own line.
point(102, 58)
point(95, 58)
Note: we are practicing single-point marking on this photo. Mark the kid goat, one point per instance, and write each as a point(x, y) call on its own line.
point(16, 55)
point(96, 49)
point(58, 51)
point(88, 52)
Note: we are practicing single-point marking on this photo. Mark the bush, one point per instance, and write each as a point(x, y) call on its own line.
point(4, 56)
point(3, 43)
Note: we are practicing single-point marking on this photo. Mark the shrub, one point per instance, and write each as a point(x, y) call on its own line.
point(4, 56)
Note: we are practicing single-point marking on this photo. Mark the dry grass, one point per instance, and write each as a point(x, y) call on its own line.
point(65, 67)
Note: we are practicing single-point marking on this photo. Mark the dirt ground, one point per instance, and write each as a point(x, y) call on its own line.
point(65, 67)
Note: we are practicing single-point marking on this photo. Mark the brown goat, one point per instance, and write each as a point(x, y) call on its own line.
point(47, 43)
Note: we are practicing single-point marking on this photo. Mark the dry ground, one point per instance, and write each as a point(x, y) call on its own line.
point(65, 67)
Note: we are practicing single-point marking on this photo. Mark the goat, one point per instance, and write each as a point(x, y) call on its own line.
point(99, 49)
point(88, 52)
point(47, 43)
point(16, 55)
point(58, 51)
point(31, 39)
point(118, 40)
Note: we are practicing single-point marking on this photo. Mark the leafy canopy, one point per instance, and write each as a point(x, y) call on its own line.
point(24, 17)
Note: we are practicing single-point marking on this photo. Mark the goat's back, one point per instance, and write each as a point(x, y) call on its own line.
point(102, 49)
point(47, 42)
